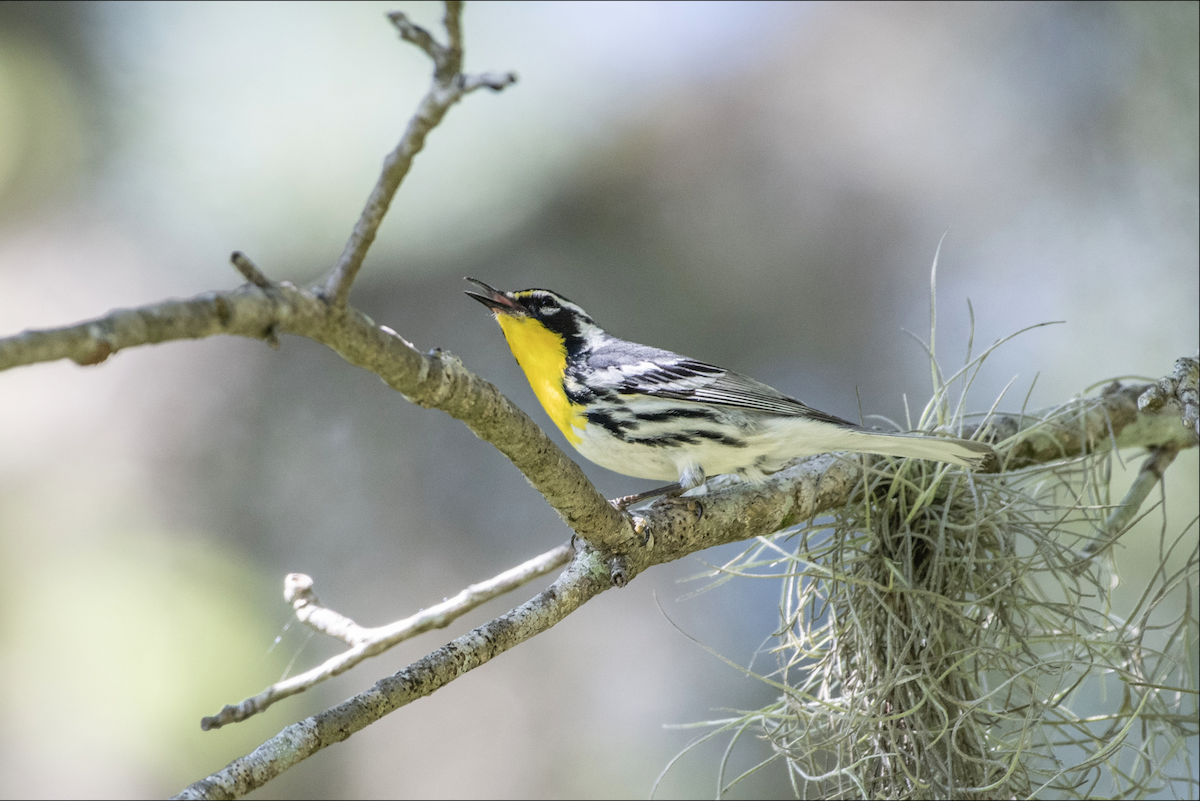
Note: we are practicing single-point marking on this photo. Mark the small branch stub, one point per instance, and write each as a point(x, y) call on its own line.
point(486, 80)
point(249, 270)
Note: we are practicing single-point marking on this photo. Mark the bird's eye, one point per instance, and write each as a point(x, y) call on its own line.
point(550, 307)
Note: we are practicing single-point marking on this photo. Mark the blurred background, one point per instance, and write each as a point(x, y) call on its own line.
point(758, 185)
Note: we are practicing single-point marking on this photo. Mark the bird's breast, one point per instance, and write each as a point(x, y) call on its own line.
point(543, 356)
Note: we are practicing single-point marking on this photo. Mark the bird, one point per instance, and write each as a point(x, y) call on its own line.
point(651, 413)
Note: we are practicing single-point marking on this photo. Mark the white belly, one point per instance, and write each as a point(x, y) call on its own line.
point(748, 444)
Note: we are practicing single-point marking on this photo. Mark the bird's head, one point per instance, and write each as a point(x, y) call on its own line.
point(539, 308)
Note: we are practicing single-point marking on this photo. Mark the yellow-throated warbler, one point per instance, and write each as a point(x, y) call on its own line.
point(654, 414)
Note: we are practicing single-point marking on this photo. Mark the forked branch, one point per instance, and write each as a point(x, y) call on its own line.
point(577, 584)
point(447, 88)
point(366, 642)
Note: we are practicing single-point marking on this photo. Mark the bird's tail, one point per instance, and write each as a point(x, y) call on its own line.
point(962, 452)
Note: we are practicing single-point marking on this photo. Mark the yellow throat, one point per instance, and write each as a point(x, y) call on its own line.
point(543, 356)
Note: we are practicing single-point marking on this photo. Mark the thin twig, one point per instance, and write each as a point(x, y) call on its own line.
point(367, 642)
point(1121, 518)
point(416, 35)
point(447, 88)
point(249, 270)
point(298, 591)
point(248, 311)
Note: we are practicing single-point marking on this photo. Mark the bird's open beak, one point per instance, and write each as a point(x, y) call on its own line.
point(497, 301)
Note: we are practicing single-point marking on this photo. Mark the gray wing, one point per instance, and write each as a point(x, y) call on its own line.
point(637, 369)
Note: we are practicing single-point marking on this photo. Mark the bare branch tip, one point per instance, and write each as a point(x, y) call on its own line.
point(228, 714)
point(249, 270)
point(416, 35)
point(496, 81)
point(298, 589)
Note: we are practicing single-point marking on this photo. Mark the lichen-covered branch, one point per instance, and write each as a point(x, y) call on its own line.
point(1088, 425)
point(435, 380)
point(248, 311)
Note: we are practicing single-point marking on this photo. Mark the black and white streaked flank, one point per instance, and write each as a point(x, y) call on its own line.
point(651, 413)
